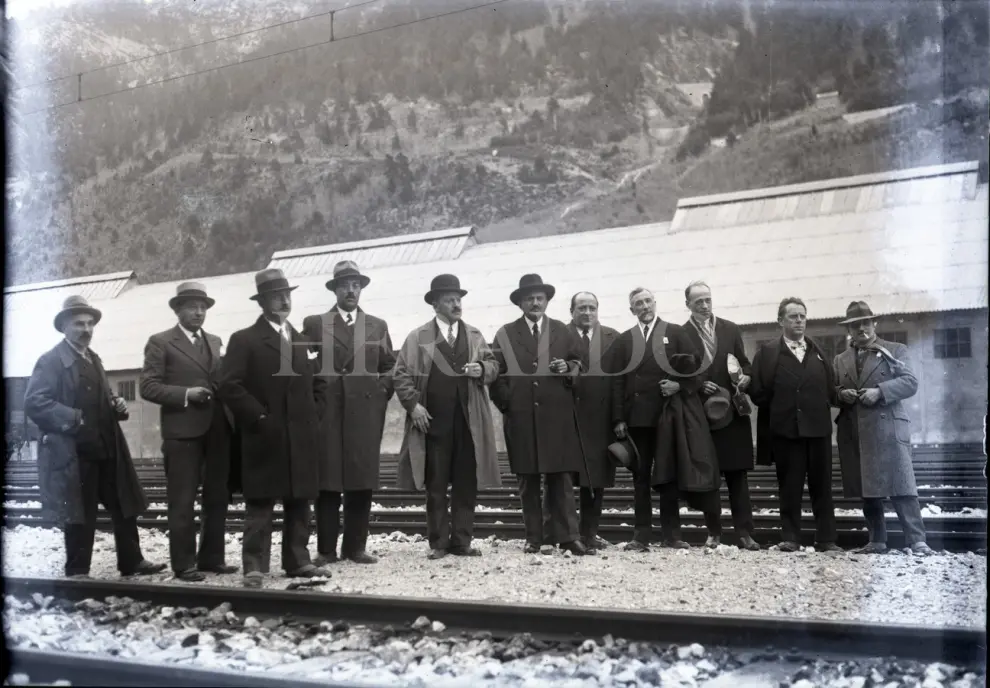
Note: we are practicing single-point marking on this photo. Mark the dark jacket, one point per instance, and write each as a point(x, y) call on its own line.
point(50, 403)
point(593, 395)
point(539, 413)
point(260, 377)
point(355, 362)
point(733, 443)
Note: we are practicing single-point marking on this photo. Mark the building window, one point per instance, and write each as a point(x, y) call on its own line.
point(832, 345)
point(953, 343)
point(900, 337)
point(127, 389)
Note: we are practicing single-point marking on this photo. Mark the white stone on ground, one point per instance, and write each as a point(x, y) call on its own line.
point(944, 590)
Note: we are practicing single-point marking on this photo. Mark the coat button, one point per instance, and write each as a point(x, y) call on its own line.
point(883, 415)
point(536, 384)
point(536, 403)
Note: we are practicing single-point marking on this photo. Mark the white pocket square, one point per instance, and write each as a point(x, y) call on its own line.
point(223, 349)
point(311, 355)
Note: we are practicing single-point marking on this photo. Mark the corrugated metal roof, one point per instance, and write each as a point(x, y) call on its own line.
point(39, 295)
point(905, 259)
point(404, 249)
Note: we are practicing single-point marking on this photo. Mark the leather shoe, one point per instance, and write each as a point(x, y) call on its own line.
point(747, 542)
point(575, 547)
point(829, 547)
point(435, 554)
point(873, 548)
point(530, 548)
point(361, 558)
point(324, 559)
point(922, 549)
point(221, 569)
point(600, 543)
point(636, 546)
point(676, 544)
point(713, 541)
point(80, 576)
point(146, 568)
point(788, 546)
point(308, 571)
point(464, 551)
point(253, 579)
point(190, 576)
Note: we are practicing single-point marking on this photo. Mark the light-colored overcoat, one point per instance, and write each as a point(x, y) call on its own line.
point(875, 441)
point(410, 378)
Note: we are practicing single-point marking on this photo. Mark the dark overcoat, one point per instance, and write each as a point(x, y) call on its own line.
point(875, 441)
point(50, 403)
point(538, 408)
point(593, 396)
point(356, 363)
point(733, 443)
point(262, 375)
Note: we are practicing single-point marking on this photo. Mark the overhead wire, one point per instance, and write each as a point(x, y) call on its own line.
point(259, 58)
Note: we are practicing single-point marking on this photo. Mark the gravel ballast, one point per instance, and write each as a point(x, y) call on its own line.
point(943, 590)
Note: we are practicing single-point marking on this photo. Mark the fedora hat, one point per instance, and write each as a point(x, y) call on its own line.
point(625, 453)
point(345, 269)
point(270, 280)
point(190, 290)
point(442, 284)
point(856, 311)
point(74, 305)
point(531, 283)
point(718, 409)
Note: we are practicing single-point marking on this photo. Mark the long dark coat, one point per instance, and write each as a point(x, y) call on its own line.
point(593, 395)
point(259, 376)
point(356, 362)
point(685, 451)
point(875, 441)
point(50, 403)
point(733, 443)
point(538, 408)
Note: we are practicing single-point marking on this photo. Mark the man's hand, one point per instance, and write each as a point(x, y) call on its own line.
point(708, 388)
point(421, 418)
point(119, 405)
point(669, 387)
point(620, 430)
point(870, 397)
point(744, 381)
point(558, 366)
point(198, 395)
point(474, 370)
point(848, 396)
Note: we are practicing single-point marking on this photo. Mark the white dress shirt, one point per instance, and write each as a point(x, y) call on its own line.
point(444, 327)
point(799, 348)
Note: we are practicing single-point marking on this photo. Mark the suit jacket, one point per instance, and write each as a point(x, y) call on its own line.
point(262, 375)
point(733, 443)
point(171, 366)
point(593, 396)
point(355, 361)
point(640, 366)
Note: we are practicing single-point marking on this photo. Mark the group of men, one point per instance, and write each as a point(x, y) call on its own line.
point(298, 417)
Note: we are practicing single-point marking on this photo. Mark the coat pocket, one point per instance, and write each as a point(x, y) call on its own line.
point(902, 430)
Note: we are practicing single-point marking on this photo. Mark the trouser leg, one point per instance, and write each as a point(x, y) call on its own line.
point(126, 540)
point(790, 461)
point(327, 522)
point(463, 486)
point(670, 512)
point(295, 534)
point(79, 537)
point(438, 467)
point(820, 488)
point(357, 513)
point(876, 522)
point(909, 514)
point(529, 495)
point(216, 501)
point(183, 464)
point(257, 540)
point(591, 500)
point(645, 441)
point(737, 483)
point(563, 511)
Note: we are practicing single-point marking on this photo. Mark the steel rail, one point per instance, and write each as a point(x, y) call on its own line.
point(956, 645)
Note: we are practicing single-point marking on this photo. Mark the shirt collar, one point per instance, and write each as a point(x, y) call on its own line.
point(189, 333)
point(580, 331)
point(443, 327)
point(83, 353)
point(866, 347)
point(281, 329)
point(709, 321)
point(799, 344)
point(652, 324)
point(541, 322)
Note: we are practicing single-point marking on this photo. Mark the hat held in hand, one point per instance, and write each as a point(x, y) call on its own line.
point(718, 409)
point(625, 453)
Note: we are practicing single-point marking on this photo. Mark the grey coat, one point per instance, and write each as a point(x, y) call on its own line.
point(875, 441)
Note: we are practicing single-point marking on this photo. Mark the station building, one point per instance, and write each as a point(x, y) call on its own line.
point(912, 243)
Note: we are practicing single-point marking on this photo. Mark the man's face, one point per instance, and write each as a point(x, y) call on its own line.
point(700, 302)
point(191, 313)
point(534, 305)
point(348, 293)
point(862, 331)
point(585, 311)
point(78, 329)
point(277, 305)
point(643, 306)
point(794, 320)
point(448, 306)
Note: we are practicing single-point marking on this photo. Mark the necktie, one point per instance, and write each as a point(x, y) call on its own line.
point(646, 331)
point(198, 340)
point(586, 338)
point(450, 335)
point(285, 333)
point(350, 319)
point(860, 357)
point(536, 331)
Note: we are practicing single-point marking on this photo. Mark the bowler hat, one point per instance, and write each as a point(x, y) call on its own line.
point(190, 290)
point(531, 283)
point(718, 409)
point(442, 284)
point(345, 269)
point(625, 453)
point(270, 280)
point(856, 311)
point(74, 305)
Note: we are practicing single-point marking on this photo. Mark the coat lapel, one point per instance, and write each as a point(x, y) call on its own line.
point(181, 342)
point(847, 369)
point(524, 335)
point(269, 336)
point(873, 359)
point(68, 357)
point(214, 350)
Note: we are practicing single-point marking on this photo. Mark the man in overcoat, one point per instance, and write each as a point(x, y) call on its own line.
point(642, 381)
point(793, 388)
point(267, 380)
point(181, 374)
point(715, 339)
point(83, 458)
point(355, 359)
point(538, 359)
point(440, 377)
point(873, 377)
point(593, 396)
